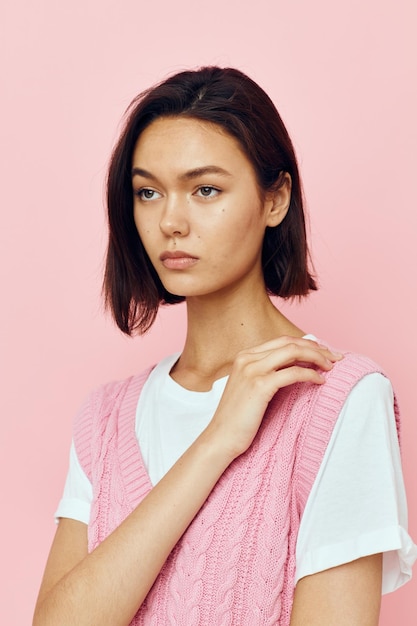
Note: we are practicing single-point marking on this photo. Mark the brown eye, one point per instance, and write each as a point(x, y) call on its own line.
point(147, 194)
point(208, 191)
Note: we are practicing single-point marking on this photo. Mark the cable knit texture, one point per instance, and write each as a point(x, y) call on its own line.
point(235, 564)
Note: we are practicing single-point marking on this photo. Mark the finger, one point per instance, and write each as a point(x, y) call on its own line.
point(297, 374)
point(279, 342)
point(289, 355)
point(290, 376)
point(269, 384)
point(282, 341)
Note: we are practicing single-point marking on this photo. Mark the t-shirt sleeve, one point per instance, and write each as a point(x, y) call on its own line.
point(78, 493)
point(357, 506)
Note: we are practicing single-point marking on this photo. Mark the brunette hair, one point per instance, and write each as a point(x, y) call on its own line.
point(232, 100)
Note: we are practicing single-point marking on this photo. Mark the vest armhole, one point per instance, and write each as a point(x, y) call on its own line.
point(87, 420)
point(82, 429)
point(96, 408)
point(324, 413)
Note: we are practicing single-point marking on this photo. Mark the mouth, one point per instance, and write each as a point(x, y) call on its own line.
point(177, 260)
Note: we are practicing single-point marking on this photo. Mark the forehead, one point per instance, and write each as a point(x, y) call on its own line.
point(184, 143)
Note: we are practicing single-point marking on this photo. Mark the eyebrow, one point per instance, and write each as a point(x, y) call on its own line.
point(189, 175)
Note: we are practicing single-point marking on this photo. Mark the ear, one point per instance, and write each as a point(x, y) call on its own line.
point(277, 202)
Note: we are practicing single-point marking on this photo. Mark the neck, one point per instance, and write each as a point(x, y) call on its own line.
point(221, 326)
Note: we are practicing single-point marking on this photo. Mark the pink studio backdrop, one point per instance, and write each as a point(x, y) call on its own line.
point(343, 76)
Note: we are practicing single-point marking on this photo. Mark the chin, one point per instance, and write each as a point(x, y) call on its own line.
point(187, 287)
point(181, 291)
point(172, 297)
point(184, 293)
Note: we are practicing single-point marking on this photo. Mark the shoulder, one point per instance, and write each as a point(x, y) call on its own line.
point(99, 406)
point(346, 374)
point(357, 380)
point(352, 368)
point(101, 400)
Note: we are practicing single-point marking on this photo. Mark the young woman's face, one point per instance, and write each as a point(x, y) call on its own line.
point(197, 207)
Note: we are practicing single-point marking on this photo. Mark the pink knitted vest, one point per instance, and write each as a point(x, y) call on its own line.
point(235, 564)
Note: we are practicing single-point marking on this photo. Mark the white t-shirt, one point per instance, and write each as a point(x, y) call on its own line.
point(357, 505)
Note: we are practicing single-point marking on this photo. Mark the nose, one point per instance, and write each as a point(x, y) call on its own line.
point(174, 220)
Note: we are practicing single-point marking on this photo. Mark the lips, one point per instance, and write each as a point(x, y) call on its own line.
point(177, 260)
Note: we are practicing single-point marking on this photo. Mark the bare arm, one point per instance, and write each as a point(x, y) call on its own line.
point(348, 595)
point(109, 585)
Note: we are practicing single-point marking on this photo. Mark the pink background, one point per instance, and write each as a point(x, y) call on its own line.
point(343, 75)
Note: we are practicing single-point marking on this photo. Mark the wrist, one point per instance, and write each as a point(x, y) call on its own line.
point(220, 449)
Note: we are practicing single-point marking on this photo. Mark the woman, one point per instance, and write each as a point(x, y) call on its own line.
point(266, 487)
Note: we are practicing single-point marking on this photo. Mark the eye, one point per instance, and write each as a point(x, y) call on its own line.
point(208, 191)
point(147, 194)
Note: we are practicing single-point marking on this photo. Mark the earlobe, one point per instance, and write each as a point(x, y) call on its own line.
point(279, 201)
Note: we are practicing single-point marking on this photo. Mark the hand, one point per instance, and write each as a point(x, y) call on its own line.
point(256, 376)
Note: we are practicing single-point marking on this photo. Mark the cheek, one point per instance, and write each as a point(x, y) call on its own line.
point(135, 219)
point(142, 226)
point(245, 225)
point(144, 231)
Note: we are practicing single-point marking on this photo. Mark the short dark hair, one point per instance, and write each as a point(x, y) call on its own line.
point(232, 100)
